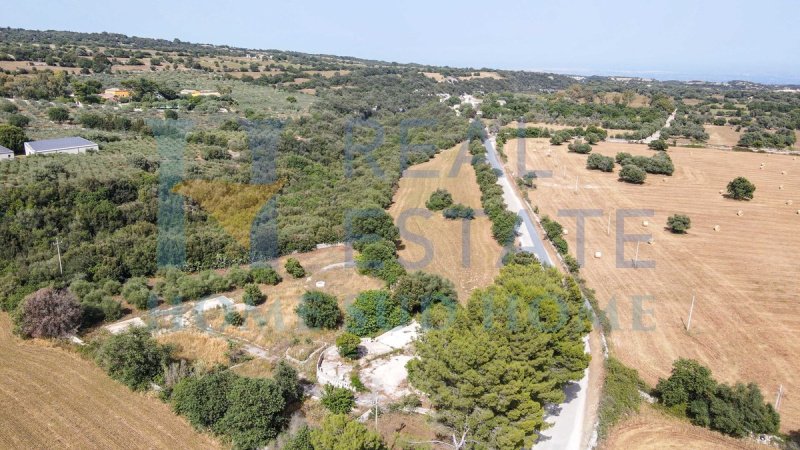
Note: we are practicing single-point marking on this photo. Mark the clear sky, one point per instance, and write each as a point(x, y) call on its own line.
point(667, 39)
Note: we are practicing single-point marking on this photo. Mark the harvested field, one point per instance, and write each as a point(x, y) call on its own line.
point(52, 398)
point(722, 135)
point(743, 276)
point(651, 429)
point(447, 238)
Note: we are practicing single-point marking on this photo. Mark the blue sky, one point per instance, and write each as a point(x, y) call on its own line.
point(668, 39)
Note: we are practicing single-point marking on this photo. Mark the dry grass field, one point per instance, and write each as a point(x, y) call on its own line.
point(722, 135)
point(745, 324)
point(274, 325)
point(52, 398)
point(651, 429)
point(446, 237)
point(197, 346)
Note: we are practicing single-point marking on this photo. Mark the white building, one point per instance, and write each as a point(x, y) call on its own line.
point(72, 145)
point(6, 154)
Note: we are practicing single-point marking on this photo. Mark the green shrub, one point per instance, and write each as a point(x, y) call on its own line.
point(133, 358)
point(659, 144)
point(234, 318)
point(740, 188)
point(620, 396)
point(18, 120)
point(374, 311)
point(265, 275)
point(579, 147)
point(632, 174)
point(600, 162)
point(136, 292)
point(253, 296)
point(319, 310)
point(458, 211)
point(679, 223)
point(379, 259)
point(58, 114)
point(348, 343)
point(338, 400)
point(439, 200)
point(239, 277)
point(419, 290)
point(294, 268)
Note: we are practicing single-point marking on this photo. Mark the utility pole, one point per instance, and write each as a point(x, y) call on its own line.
point(778, 399)
point(691, 309)
point(636, 258)
point(58, 249)
point(376, 412)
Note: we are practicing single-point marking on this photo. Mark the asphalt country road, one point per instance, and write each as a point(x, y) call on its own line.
point(568, 419)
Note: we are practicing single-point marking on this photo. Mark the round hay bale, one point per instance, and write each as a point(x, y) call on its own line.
point(780, 187)
point(716, 227)
point(651, 241)
point(598, 254)
point(798, 212)
point(740, 213)
point(565, 231)
point(645, 223)
point(789, 202)
point(783, 172)
point(721, 192)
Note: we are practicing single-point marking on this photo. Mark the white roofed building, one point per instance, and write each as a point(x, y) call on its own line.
point(72, 145)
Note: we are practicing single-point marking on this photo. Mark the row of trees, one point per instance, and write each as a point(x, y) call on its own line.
point(504, 222)
point(659, 163)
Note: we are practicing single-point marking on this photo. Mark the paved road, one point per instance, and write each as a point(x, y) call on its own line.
point(528, 237)
point(568, 419)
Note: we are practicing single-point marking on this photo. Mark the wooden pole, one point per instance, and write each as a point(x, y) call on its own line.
point(636, 258)
point(778, 399)
point(691, 309)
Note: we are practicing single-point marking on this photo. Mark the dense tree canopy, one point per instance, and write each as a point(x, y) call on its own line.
point(507, 355)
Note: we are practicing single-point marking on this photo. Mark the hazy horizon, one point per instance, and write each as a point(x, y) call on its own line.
point(714, 41)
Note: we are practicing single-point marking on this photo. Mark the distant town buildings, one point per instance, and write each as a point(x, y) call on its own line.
point(200, 93)
point(116, 94)
point(71, 145)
